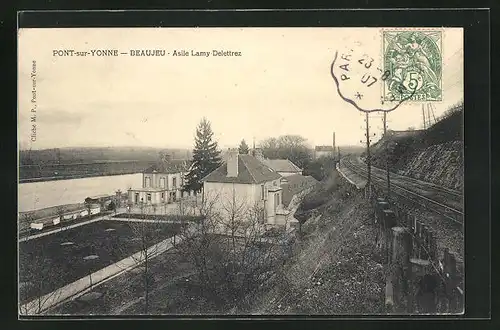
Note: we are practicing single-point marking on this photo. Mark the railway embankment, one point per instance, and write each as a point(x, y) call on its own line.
point(335, 268)
point(434, 155)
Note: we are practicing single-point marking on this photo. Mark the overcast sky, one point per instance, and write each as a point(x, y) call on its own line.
point(280, 85)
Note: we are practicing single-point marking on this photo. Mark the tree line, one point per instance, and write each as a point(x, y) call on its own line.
point(207, 155)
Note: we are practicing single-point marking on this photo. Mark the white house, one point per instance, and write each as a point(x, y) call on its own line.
point(242, 183)
point(323, 151)
point(161, 183)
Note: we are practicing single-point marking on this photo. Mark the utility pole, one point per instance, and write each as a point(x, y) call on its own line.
point(333, 145)
point(368, 156)
point(430, 111)
point(423, 115)
point(387, 156)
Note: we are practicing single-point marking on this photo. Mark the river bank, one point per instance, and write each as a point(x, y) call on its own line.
point(33, 196)
point(51, 172)
point(71, 177)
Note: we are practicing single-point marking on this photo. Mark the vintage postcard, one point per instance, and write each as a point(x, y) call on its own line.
point(240, 171)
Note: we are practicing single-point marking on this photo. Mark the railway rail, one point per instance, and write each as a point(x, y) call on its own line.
point(443, 201)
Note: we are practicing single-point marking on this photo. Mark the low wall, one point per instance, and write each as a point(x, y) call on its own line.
point(421, 278)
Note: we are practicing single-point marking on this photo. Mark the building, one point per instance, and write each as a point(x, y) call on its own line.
point(323, 151)
point(42, 223)
point(294, 187)
point(284, 167)
point(102, 200)
point(242, 183)
point(161, 183)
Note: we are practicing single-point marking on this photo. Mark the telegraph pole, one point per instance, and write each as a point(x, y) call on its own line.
point(368, 156)
point(423, 115)
point(387, 156)
point(333, 146)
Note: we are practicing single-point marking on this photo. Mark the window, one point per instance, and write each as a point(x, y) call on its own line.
point(262, 193)
point(149, 197)
point(162, 195)
point(147, 182)
point(174, 183)
point(136, 198)
point(278, 199)
point(162, 182)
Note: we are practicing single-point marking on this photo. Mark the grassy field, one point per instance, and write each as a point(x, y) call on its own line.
point(122, 295)
point(174, 290)
point(46, 262)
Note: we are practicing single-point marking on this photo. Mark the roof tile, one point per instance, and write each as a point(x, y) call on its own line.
point(281, 165)
point(250, 170)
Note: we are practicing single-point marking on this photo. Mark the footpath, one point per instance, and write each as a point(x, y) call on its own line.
point(79, 287)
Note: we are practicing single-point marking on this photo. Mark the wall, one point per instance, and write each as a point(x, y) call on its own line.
point(441, 164)
point(155, 196)
point(221, 194)
point(246, 196)
point(163, 180)
point(289, 173)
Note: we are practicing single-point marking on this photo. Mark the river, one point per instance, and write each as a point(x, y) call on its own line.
point(39, 195)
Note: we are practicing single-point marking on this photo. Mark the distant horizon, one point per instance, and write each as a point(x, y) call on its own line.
point(274, 88)
point(164, 148)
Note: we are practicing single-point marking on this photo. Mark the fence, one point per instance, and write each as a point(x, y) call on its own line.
point(419, 278)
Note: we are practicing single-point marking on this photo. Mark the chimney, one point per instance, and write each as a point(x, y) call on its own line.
point(232, 163)
point(333, 149)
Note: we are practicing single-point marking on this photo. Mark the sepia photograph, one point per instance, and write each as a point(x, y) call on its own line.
point(241, 171)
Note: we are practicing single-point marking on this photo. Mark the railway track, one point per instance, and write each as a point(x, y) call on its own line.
point(443, 201)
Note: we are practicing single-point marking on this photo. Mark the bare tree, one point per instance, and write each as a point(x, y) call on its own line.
point(292, 147)
point(148, 233)
point(233, 214)
point(60, 212)
point(197, 240)
point(37, 283)
point(227, 247)
point(88, 206)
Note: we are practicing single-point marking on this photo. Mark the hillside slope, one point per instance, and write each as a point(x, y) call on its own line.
point(433, 155)
point(335, 268)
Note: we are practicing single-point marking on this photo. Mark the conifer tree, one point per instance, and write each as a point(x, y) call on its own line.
point(243, 149)
point(206, 157)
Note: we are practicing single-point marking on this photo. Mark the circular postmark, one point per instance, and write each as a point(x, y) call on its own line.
point(360, 78)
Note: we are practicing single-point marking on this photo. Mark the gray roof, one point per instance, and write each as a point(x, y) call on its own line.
point(169, 167)
point(281, 165)
point(250, 171)
point(295, 184)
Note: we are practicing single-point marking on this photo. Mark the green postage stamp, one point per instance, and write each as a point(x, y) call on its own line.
point(413, 59)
